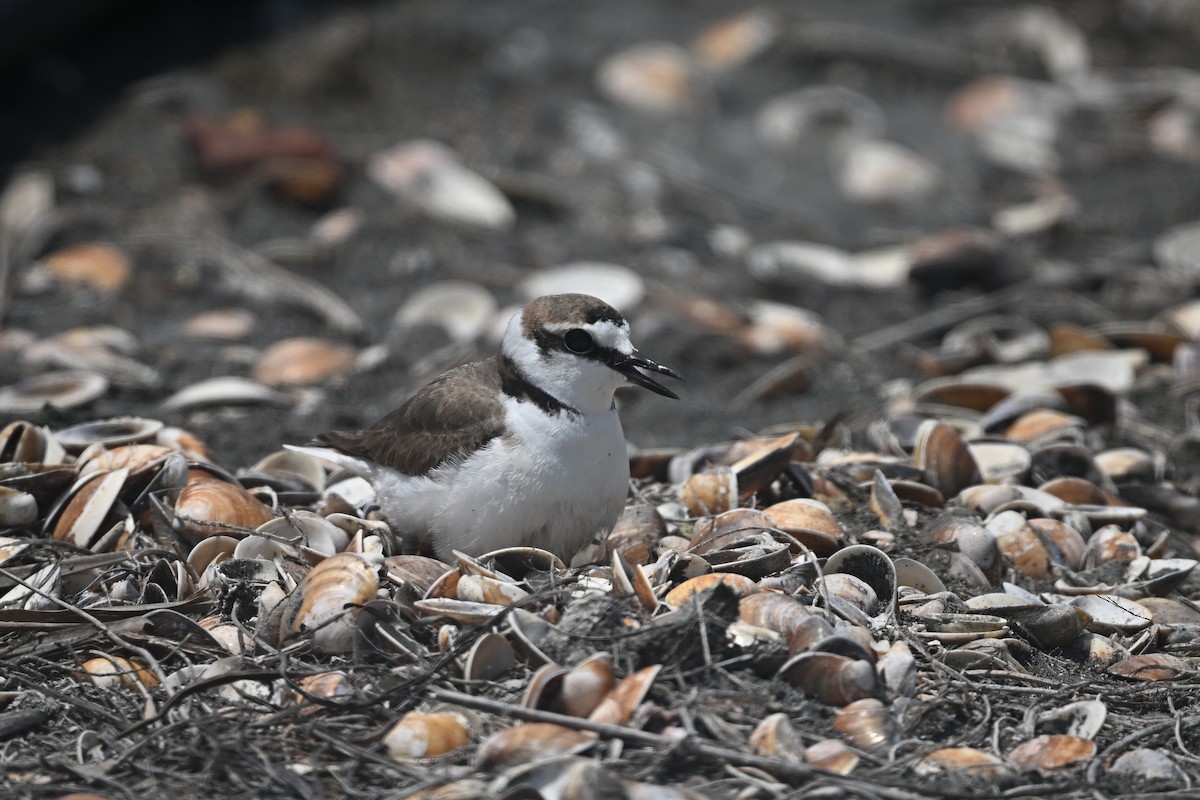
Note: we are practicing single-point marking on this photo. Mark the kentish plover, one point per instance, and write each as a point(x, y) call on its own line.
point(524, 448)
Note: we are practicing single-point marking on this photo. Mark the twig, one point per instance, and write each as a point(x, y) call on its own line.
point(142, 652)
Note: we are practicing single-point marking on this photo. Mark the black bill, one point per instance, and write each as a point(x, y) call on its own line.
point(629, 367)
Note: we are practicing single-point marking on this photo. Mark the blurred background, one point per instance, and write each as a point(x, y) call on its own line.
point(264, 220)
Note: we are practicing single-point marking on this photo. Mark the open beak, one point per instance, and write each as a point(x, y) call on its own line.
point(629, 367)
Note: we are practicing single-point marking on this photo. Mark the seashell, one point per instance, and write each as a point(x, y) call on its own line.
point(984, 499)
point(953, 628)
point(210, 507)
point(1043, 425)
point(1143, 764)
point(110, 433)
point(962, 759)
point(17, 509)
point(545, 687)
point(775, 612)
point(463, 310)
point(62, 390)
point(320, 602)
point(426, 735)
point(430, 176)
point(1152, 667)
point(809, 521)
point(134, 457)
point(847, 594)
point(775, 737)
point(870, 565)
point(1065, 545)
point(110, 672)
point(302, 361)
point(227, 390)
point(714, 491)
point(631, 581)
point(33, 595)
point(1147, 576)
point(831, 679)
point(585, 685)
point(797, 262)
point(88, 505)
point(526, 743)
point(1049, 627)
point(420, 572)
point(758, 469)
point(25, 443)
point(865, 724)
point(1128, 464)
point(1095, 650)
point(740, 584)
point(210, 550)
point(293, 466)
point(1026, 551)
point(649, 76)
point(528, 630)
point(1046, 753)
point(618, 705)
point(885, 503)
point(918, 576)
point(1084, 718)
point(1000, 462)
point(483, 589)
point(1110, 543)
point(464, 611)
point(222, 324)
point(1112, 614)
point(635, 535)
point(945, 457)
point(490, 657)
point(832, 756)
point(897, 671)
point(1171, 611)
point(960, 394)
point(956, 258)
point(736, 40)
point(870, 170)
point(96, 265)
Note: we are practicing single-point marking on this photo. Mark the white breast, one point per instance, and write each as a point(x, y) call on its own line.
point(552, 482)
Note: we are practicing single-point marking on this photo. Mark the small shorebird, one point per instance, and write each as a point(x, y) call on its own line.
point(523, 448)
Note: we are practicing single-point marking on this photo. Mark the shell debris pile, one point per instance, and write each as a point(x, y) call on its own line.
point(812, 598)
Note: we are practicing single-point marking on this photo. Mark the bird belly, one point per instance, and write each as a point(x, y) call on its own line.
point(543, 485)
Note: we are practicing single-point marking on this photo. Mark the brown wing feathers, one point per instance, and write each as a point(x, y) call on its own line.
point(456, 413)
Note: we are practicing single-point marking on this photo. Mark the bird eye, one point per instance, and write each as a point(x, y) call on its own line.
point(578, 340)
